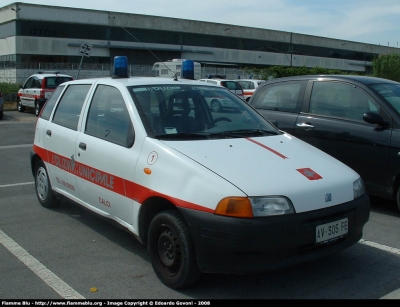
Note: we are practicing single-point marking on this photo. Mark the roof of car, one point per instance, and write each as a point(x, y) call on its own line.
point(132, 81)
point(361, 79)
point(43, 74)
point(256, 80)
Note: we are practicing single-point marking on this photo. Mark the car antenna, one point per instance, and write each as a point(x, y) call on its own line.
point(174, 74)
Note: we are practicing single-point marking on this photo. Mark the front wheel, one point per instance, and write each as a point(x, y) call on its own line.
point(172, 251)
point(20, 107)
point(43, 188)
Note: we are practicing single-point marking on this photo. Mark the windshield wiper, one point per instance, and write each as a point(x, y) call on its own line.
point(181, 135)
point(244, 133)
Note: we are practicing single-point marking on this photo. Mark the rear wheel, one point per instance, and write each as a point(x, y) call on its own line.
point(172, 251)
point(1, 114)
point(43, 188)
point(37, 108)
point(20, 107)
point(398, 197)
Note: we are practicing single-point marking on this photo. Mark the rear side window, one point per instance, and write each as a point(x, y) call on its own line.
point(285, 96)
point(48, 107)
point(30, 83)
point(69, 108)
point(53, 82)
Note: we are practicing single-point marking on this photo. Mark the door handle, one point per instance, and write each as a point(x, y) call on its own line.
point(82, 146)
point(48, 132)
point(305, 126)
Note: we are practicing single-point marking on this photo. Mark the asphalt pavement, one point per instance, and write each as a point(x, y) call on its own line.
point(29, 116)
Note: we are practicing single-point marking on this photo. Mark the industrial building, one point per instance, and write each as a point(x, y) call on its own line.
point(35, 36)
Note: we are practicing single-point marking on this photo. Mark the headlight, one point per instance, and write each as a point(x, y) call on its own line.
point(358, 188)
point(271, 205)
point(254, 206)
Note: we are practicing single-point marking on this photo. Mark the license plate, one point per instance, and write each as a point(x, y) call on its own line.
point(331, 231)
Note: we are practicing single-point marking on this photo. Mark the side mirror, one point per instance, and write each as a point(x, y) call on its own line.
point(375, 119)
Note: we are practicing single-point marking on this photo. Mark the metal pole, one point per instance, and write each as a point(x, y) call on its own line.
point(79, 68)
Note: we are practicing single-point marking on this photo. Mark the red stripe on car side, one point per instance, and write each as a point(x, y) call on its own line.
point(109, 181)
point(140, 193)
point(268, 148)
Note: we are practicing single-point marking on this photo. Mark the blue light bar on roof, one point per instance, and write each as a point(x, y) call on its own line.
point(120, 67)
point(187, 69)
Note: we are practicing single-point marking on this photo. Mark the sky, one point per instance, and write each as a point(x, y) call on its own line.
point(367, 21)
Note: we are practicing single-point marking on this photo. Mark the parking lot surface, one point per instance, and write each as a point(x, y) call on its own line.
point(66, 252)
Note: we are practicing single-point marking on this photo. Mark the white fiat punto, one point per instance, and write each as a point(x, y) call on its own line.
point(206, 194)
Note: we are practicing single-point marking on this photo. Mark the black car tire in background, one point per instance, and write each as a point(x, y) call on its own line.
point(37, 108)
point(20, 107)
point(398, 197)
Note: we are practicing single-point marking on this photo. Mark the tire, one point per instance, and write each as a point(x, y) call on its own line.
point(20, 107)
point(172, 251)
point(215, 105)
point(43, 188)
point(1, 114)
point(398, 197)
point(37, 108)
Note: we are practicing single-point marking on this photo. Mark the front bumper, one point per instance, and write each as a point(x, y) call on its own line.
point(241, 246)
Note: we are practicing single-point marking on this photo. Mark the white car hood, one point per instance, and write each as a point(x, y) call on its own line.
point(275, 165)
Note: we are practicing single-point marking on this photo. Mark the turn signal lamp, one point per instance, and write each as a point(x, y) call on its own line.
point(187, 69)
point(120, 67)
point(235, 207)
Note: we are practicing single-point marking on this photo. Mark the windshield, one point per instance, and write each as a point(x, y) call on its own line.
point(53, 82)
point(197, 112)
point(390, 92)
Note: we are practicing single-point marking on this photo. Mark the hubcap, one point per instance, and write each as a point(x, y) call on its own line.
point(42, 183)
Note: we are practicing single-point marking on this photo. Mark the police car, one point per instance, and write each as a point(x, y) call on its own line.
point(206, 194)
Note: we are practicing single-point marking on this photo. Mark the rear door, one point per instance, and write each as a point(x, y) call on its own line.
point(59, 138)
point(335, 125)
point(30, 91)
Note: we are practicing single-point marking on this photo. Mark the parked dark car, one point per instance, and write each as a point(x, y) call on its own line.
point(355, 119)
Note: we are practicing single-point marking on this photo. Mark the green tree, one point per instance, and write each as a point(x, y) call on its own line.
point(387, 66)
point(285, 71)
point(8, 87)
